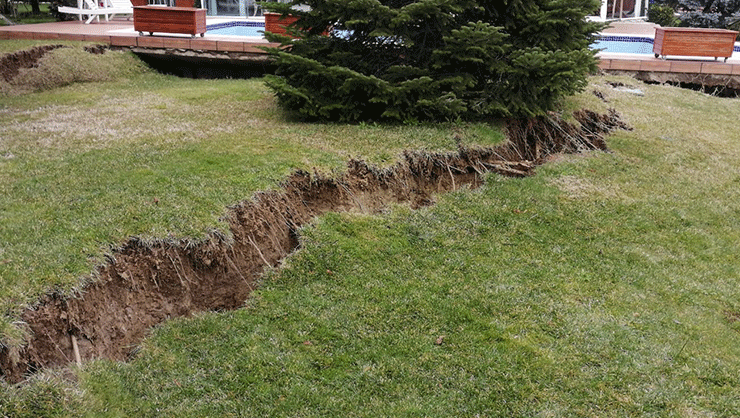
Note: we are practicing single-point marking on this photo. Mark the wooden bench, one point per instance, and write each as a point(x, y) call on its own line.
point(186, 20)
point(695, 42)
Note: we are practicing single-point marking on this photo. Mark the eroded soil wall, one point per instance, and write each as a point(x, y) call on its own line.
point(144, 284)
point(10, 64)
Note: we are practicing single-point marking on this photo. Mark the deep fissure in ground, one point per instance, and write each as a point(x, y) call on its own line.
point(146, 283)
point(11, 64)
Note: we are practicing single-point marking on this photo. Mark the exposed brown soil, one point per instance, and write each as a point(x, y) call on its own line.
point(11, 64)
point(144, 284)
point(722, 85)
point(99, 49)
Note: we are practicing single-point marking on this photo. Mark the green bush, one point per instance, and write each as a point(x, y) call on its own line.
point(663, 15)
point(723, 14)
point(431, 59)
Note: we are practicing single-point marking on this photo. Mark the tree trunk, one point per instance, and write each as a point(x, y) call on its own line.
point(6, 20)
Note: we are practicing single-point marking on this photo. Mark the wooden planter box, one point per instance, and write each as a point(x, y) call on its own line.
point(696, 42)
point(276, 24)
point(187, 20)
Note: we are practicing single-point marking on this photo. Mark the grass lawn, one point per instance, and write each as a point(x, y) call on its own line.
point(24, 14)
point(120, 151)
point(606, 285)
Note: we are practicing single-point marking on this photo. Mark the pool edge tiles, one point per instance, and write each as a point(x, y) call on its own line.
point(626, 38)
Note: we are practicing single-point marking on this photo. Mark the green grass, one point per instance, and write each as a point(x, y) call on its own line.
point(25, 15)
point(86, 166)
point(606, 285)
point(15, 45)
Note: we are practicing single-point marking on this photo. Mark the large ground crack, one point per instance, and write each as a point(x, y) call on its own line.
point(11, 64)
point(144, 284)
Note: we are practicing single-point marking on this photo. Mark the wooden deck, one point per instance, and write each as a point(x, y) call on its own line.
point(111, 33)
point(650, 64)
point(120, 33)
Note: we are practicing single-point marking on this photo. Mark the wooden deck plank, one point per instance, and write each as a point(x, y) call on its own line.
point(716, 68)
point(655, 65)
point(625, 65)
point(230, 46)
point(200, 44)
point(686, 67)
point(123, 40)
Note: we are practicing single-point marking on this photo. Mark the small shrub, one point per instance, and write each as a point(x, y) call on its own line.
point(723, 14)
point(663, 15)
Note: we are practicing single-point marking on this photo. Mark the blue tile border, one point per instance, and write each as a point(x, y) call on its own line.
point(613, 38)
point(234, 24)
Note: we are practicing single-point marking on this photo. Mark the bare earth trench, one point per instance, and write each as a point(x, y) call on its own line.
point(144, 284)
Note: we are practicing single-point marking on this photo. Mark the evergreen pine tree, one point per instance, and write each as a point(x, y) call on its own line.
point(432, 59)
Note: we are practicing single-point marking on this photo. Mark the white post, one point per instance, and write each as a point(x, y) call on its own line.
point(603, 9)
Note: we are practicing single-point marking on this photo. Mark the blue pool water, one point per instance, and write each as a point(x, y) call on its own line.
point(237, 29)
point(624, 44)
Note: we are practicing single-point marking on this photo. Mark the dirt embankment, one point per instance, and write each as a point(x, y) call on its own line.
point(144, 284)
point(11, 64)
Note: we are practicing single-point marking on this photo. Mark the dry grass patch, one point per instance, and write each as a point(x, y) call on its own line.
point(114, 120)
point(119, 121)
point(581, 188)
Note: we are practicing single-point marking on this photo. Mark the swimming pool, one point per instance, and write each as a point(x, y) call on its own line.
point(237, 28)
point(610, 44)
point(624, 44)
